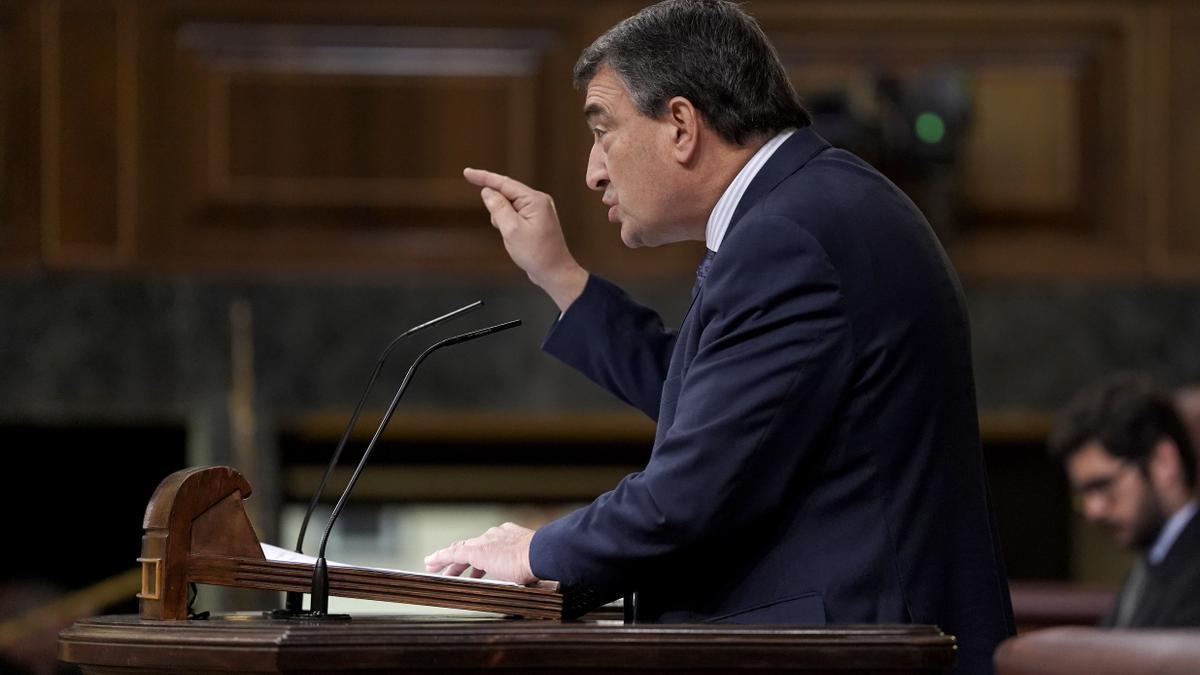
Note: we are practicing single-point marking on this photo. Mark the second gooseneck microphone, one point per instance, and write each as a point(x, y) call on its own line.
point(319, 603)
point(295, 600)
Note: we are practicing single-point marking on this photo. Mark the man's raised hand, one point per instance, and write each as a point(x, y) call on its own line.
point(532, 235)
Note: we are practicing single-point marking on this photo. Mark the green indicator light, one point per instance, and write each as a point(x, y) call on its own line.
point(930, 128)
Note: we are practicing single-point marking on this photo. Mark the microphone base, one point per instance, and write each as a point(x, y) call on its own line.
point(303, 615)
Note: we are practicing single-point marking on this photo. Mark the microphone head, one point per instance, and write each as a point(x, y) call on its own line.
point(501, 326)
point(480, 333)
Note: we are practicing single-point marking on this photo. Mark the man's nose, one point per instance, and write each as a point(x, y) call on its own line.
point(597, 171)
point(1094, 506)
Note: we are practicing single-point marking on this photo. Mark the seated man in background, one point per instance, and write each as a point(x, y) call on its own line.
point(1130, 461)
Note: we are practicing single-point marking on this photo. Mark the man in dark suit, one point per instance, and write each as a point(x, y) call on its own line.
point(817, 456)
point(1130, 462)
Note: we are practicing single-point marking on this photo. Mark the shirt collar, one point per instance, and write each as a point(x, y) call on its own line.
point(1170, 532)
point(722, 213)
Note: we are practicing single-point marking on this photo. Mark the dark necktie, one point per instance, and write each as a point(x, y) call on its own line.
point(702, 270)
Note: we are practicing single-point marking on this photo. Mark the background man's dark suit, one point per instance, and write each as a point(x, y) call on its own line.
point(1170, 596)
point(817, 456)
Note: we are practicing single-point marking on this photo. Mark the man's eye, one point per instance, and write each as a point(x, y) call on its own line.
point(598, 133)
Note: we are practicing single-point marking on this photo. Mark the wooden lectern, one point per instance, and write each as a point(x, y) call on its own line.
point(197, 532)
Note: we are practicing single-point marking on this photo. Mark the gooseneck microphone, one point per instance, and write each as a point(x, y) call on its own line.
point(319, 603)
point(358, 409)
point(295, 601)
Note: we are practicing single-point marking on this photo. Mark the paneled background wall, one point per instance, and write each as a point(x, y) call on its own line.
point(214, 213)
point(301, 138)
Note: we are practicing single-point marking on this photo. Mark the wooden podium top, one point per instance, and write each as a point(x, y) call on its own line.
point(249, 643)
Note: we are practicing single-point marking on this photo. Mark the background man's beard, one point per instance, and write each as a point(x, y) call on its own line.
point(1148, 522)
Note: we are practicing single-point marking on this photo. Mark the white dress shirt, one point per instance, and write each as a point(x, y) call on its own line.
point(722, 213)
point(1170, 532)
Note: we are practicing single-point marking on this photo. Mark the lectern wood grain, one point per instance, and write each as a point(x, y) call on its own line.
point(376, 644)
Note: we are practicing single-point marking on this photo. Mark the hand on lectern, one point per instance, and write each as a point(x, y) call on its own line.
point(500, 553)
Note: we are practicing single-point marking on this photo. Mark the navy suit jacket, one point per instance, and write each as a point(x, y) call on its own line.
point(817, 457)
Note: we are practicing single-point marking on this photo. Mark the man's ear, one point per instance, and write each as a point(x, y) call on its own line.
point(1166, 469)
point(683, 124)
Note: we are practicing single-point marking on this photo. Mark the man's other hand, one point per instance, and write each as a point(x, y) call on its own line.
point(532, 234)
point(501, 553)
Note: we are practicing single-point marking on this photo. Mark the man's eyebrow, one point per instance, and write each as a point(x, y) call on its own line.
point(594, 110)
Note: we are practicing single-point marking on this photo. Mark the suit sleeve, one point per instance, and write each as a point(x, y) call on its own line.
point(616, 342)
point(755, 405)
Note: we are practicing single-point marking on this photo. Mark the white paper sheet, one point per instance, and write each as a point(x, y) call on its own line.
point(278, 554)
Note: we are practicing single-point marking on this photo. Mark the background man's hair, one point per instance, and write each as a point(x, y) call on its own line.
point(1128, 415)
point(707, 51)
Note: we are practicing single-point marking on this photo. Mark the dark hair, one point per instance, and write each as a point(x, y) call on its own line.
point(707, 51)
point(1128, 415)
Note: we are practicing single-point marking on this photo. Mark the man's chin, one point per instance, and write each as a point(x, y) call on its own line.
point(1125, 540)
point(631, 237)
point(1134, 539)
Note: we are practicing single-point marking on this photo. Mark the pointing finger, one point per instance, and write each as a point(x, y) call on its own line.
point(511, 189)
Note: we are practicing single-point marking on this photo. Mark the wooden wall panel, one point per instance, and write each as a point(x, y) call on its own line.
point(6, 73)
point(82, 55)
point(317, 137)
point(325, 142)
point(19, 188)
point(1046, 182)
point(333, 148)
point(1180, 255)
point(88, 133)
point(1025, 151)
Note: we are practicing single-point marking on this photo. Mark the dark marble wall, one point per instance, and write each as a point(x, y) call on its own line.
point(114, 350)
point(1035, 345)
point(99, 349)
